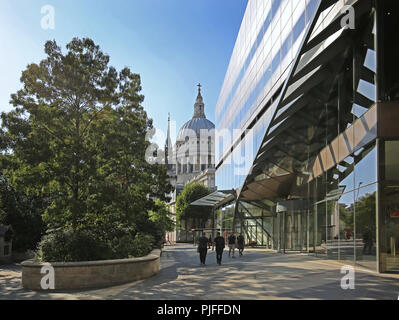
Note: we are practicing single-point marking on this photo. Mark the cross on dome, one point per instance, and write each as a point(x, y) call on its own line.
point(199, 107)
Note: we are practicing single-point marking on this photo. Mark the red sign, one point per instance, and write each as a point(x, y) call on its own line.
point(395, 214)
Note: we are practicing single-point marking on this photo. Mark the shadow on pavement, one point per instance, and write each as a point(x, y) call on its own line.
point(255, 276)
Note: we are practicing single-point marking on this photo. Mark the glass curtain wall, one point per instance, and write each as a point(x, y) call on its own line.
point(325, 151)
point(224, 219)
point(389, 215)
point(341, 223)
point(256, 224)
point(388, 92)
point(269, 37)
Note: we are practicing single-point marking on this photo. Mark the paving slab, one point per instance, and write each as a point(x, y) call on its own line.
point(257, 275)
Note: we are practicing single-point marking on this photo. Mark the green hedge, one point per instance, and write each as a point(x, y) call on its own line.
point(70, 246)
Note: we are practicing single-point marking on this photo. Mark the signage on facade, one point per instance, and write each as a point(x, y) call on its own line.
point(395, 214)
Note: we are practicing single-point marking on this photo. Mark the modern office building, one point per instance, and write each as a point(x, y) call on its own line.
point(308, 131)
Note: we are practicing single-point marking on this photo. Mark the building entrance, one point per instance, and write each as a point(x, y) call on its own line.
point(293, 231)
point(293, 220)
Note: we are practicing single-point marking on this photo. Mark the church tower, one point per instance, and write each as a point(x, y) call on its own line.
point(168, 148)
point(199, 107)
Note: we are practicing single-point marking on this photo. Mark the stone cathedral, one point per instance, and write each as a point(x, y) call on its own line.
point(192, 157)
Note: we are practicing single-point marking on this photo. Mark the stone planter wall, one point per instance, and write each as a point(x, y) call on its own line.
point(93, 274)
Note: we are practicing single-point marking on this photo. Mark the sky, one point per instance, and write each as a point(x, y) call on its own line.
point(172, 44)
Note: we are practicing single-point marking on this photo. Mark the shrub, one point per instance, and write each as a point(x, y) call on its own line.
point(122, 246)
point(24, 213)
point(69, 245)
point(153, 228)
point(142, 245)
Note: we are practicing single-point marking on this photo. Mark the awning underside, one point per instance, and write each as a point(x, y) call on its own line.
point(215, 199)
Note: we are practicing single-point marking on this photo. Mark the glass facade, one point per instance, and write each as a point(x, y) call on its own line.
point(389, 217)
point(224, 218)
point(311, 145)
point(270, 35)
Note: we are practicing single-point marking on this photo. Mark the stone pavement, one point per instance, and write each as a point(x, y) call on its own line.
point(257, 275)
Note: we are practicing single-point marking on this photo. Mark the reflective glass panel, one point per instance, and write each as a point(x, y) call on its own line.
point(389, 215)
point(346, 228)
point(366, 166)
point(365, 226)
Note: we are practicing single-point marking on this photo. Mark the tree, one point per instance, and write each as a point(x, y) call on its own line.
point(162, 216)
point(24, 213)
point(77, 136)
point(185, 211)
point(366, 214)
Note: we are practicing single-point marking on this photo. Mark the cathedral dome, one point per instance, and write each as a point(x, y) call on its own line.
point(197, 123)
point(194, 125)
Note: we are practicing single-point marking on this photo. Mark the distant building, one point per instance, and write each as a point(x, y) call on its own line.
point(192, 158)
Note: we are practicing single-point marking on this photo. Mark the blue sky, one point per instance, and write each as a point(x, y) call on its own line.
point(172, 44)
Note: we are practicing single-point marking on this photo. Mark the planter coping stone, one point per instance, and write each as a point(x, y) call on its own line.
point(155, 254)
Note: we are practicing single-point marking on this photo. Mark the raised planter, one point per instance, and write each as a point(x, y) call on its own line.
point(92, 274)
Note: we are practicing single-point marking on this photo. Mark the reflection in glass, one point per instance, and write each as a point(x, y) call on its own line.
point(346, 227)
point(366, 166)
point(365, 226)
point(251, 227)
point(389, 215)
point(392, 161)
point(320, 229)
point(294, 223)
point(389, 246)
point(333, 230)
point(347, 175)
point(311, 232)
point(224, 219)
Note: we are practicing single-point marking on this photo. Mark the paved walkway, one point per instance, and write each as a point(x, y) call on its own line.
point(256, 275)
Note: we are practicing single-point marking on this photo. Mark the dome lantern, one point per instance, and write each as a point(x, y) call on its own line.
point(198, 122)
point(199, 107)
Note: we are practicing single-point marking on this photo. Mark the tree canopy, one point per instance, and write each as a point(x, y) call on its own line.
point(162, 216)
point(77, 137)
point(191, 193)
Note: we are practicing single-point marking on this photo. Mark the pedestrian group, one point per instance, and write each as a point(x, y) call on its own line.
point(218, 243)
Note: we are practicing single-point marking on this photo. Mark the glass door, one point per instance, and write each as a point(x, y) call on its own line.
point(332, 229)
point(293, 231)
point(251, 233)
point(320, 229)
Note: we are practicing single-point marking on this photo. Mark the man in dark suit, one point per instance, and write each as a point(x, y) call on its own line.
point(240, 244)
point(219, 245)
point(203, 248)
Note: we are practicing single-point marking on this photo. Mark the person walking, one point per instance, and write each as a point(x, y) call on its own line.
point(240, 244)
point(219, 245)
point(368, 241)
point(232, 244)
point(203, 248)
